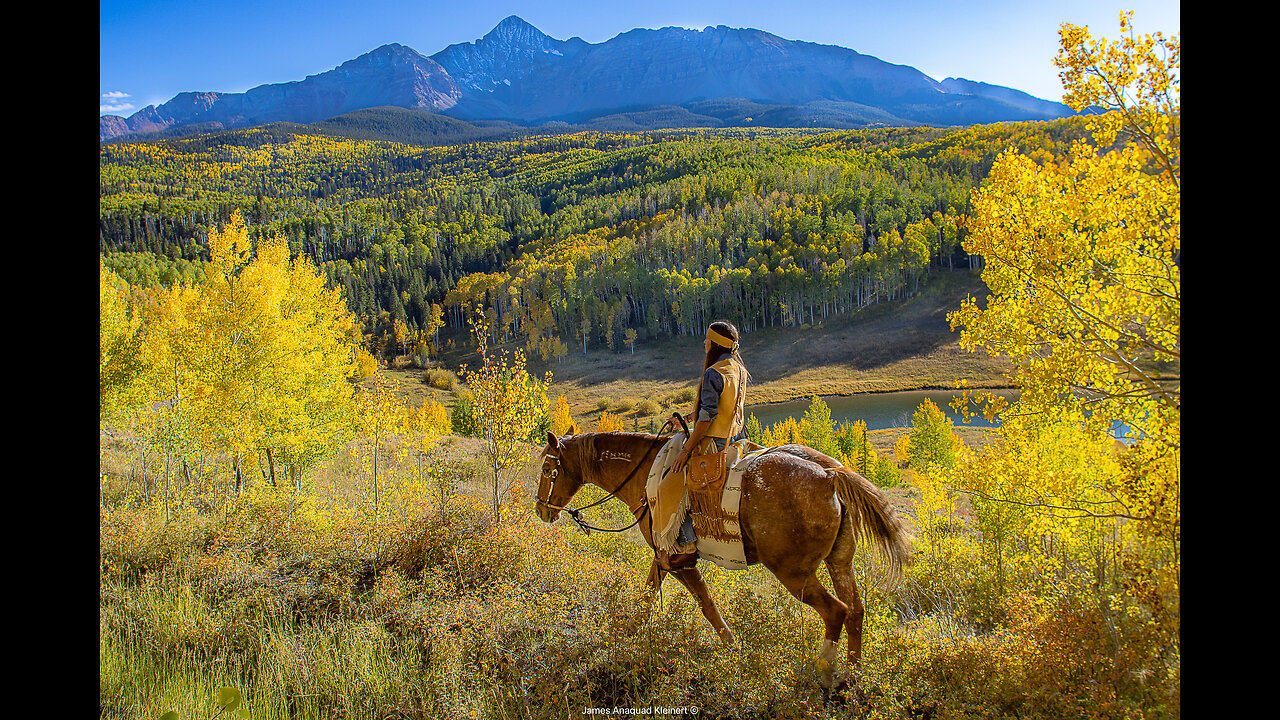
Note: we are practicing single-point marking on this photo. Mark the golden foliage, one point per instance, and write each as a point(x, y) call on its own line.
point(507, 405)
point(1083, 261)
point(609, 423)
point(561, 419)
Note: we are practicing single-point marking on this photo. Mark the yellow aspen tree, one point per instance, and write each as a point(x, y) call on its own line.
point(935, 514)
point(232, 330)
point(931, 440)
point(366, 364)
point(309, 415)
point(400, 336)
point(1082, 257)
point(379, 416)
point(168, 417)
point(507, 405)
point(561, 418)
point(818, 432)
point(862, 454)
point(262, 354)
point(423, 429)
point(608, 423)
point(120, 336)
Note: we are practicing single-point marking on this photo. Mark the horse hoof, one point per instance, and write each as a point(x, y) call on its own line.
point(837, 695)
point(726, 636)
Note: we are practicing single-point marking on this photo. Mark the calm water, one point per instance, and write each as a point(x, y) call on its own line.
point(879, 410)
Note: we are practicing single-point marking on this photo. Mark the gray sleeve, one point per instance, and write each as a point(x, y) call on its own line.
point(709, 403)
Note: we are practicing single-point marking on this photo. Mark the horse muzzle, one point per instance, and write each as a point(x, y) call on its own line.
point(547, 513)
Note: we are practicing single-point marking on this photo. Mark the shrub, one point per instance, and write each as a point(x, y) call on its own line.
point(885, 473)
point(624, 405)
point(366, 364)
point(461, 419)
point(648, 407)
point(608, 423)
point(441, 379)
point(931, 440)
point(559, 418)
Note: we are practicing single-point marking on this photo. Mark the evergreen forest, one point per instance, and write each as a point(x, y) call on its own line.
point(569, 241)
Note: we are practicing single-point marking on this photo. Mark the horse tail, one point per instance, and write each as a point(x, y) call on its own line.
point(873, 519)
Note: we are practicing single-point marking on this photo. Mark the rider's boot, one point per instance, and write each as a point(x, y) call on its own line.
point(671, 563)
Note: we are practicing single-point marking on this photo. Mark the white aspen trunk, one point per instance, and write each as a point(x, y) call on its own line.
point(167, 456)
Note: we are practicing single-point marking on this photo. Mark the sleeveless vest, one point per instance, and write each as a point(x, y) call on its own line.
point(729, 419)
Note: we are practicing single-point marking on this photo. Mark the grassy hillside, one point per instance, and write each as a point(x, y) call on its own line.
point(900, 346)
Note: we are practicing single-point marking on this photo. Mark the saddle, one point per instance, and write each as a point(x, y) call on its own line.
point(710, 491)
point(706, 481)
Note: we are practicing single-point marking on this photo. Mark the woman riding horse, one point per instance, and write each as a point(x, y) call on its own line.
point(799, 508)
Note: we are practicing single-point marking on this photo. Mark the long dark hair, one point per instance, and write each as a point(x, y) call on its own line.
point(715, 354)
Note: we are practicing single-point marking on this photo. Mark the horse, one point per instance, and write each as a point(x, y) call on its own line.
point(800, 508)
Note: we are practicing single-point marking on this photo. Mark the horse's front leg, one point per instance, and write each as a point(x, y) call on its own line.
point(656, 574)
point(692, 580)
point(654, 582)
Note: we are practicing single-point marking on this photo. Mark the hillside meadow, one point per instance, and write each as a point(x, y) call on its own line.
point(907, 345)
point(432, 610)
point(321, 605)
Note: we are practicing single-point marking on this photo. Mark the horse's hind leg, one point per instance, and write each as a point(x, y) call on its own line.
point(809, 590)
point(840, 567)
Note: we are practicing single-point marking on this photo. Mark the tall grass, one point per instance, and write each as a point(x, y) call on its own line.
point(436, 611)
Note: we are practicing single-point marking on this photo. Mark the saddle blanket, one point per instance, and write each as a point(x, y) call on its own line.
point(715, 520)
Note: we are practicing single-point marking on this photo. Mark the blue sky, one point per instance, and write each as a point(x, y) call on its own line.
point(151, 50)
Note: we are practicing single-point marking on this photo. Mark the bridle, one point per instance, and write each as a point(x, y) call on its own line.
point(575, 513)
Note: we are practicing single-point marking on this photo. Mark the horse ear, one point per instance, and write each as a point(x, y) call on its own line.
point(573, 429)
point(552, 440)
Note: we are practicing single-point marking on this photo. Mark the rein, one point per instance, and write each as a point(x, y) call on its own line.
point(574, 513)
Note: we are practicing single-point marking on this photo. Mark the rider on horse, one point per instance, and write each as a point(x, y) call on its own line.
point(720, 420)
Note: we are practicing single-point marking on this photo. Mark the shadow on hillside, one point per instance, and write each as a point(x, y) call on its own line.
point(868, 338)
point(865, 339)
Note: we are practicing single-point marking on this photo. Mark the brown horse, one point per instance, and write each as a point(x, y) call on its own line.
point(799, 508)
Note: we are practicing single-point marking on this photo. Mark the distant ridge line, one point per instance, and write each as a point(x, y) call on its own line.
point(516, 74)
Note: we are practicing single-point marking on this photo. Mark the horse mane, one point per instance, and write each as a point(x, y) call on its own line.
point(587, 441)
point(585, 446)
point(612, 433)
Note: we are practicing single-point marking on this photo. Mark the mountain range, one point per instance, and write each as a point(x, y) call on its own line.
point(517, 76)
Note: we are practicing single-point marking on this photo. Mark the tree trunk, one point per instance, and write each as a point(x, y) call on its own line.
point(167, 455)
point(497, 505)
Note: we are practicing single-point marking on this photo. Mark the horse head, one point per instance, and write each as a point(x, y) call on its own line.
point(561, 477)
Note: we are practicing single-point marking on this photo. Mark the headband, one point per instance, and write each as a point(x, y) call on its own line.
point(721, 340)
